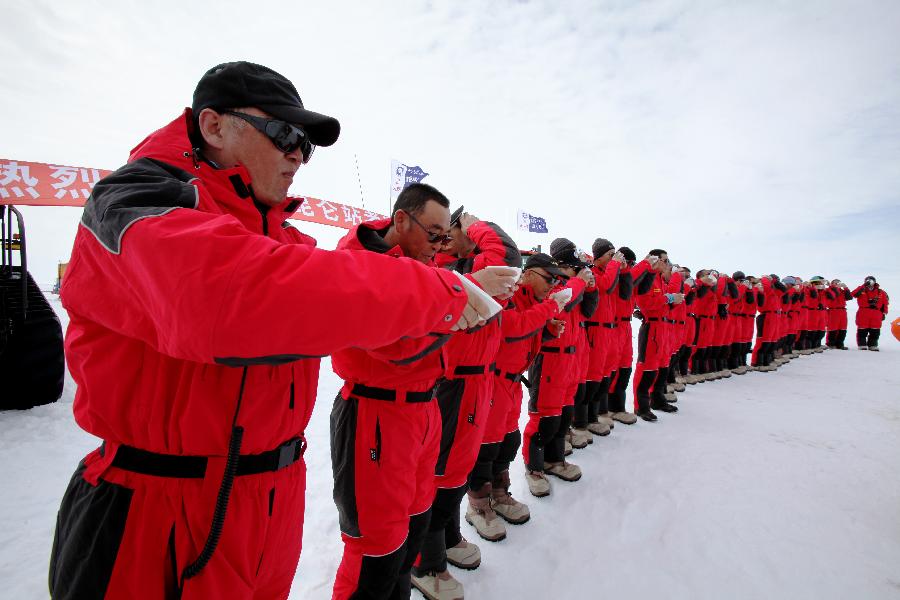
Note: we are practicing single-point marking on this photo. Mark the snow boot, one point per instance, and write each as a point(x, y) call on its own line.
point(564, 470)
point(537, 484)
point(624, 417)
point(482, 517)
point(464, 555)
point(510, 510)
point(438, 586)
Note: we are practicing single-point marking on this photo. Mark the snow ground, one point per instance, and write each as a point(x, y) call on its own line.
point(770, 485)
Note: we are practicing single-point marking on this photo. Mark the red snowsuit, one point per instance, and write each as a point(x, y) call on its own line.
point(523, 321)
point(465, 393)
point(554, 373)
point(873, 306)
point(601, 327)
point(197, 314)
point(653, 338)
point(385, 440)
point(836, 302)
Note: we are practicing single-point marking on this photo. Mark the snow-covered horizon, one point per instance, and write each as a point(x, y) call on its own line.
point(770, 485)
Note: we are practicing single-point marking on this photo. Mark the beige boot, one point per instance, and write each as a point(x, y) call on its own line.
point(564, 470)
point(568, 448)
point(482, 517)
point(624, 417)
point(438, 586)
point(464, 555)
point(599, 428)
point(537, 484)
point(509, 509)
point(581, 438)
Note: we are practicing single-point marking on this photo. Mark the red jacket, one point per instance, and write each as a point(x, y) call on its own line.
point(651, 298)
point(185, 299)
point(876, 298)
point(607, 280)
point(523, 323)
point(836, 297)
point(413, 363)
point(493, 247)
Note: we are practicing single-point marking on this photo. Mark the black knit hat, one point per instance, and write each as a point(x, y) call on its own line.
point(239, 84)
point(563, 250)
point(601, 246)
point(738, 275)
point(628, 253)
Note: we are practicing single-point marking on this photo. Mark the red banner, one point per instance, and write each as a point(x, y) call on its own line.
point(39, 184)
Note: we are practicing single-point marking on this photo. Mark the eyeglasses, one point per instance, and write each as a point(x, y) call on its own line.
point(550, 279)
point(433, 238)
point(283, 135)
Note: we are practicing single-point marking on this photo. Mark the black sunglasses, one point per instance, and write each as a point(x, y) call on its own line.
point(550, 279)
point(283, 135)
point(433, 238)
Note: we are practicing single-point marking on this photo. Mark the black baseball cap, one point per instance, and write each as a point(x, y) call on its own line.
point(238, 84)
point(546, 262)
point(455, 215)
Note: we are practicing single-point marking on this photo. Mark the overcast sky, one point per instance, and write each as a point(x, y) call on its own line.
point(762, 136)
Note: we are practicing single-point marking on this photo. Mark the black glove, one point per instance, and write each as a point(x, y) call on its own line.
point(873, 302)
point(723, 311)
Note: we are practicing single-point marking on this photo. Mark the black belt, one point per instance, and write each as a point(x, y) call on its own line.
point(145, 462)
point(514, 377)
point(473, 369)
point(672, 321)
point(704, 317)
point(765, 312)
point(679, 322)
point(375, 393)
point(557, 350)
point(625, 319)
point(587, 324)
point(610, 325)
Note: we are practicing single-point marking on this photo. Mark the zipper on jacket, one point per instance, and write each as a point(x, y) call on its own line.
point(375, 453)
point(263, 211)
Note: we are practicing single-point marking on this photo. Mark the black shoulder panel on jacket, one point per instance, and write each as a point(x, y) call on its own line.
point(142, 189)
point(748, 297)
point(512, 258)
point(373, 239)
point(590, 303)
point(689, 297)
point(779, 286)
point(732, 289)
point(760, 299)
point(626, 285)
point(645, 282)
point(702, 290)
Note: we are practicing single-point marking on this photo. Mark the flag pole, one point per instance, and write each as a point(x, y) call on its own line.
point(359, 180)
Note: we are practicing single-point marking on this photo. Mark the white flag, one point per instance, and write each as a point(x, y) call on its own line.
point(398, 177)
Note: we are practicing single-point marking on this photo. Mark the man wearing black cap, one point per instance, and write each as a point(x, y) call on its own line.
point(197, 319)
point(573, 263)
point(553, 378)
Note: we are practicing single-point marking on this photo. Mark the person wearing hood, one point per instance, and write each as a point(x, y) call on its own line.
point(873, 308)
point(198, 316)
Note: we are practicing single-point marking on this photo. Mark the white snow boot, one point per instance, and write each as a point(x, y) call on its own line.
point(438, 586)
